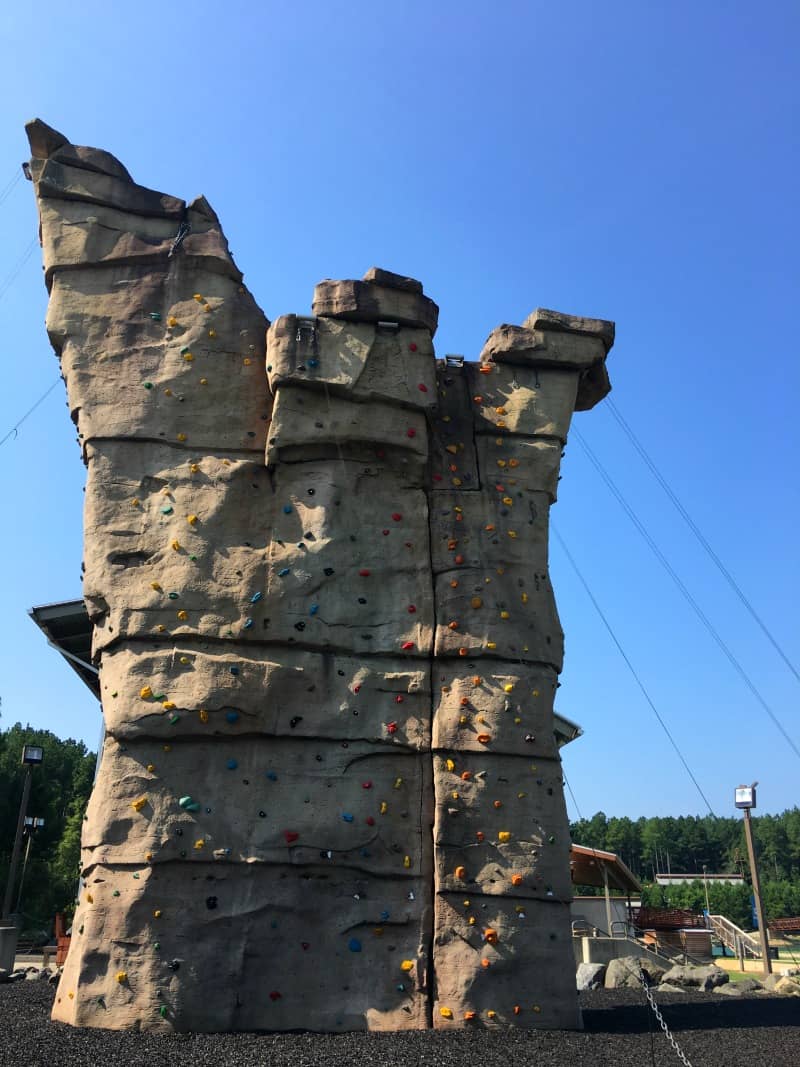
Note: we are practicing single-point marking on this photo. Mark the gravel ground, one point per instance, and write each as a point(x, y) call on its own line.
point(751, 1031)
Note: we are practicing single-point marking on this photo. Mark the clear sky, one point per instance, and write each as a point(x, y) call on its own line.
point(632, 161)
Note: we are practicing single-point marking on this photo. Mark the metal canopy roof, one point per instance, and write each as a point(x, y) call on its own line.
point(68, 629)
point(593, 866)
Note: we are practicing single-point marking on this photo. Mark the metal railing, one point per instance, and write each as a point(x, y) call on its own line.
point(734, 938)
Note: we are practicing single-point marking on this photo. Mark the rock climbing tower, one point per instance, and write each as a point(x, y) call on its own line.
point(330, 796)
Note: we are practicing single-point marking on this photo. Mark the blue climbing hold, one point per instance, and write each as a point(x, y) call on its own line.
point(272, 776)
point(384, 916)
point(234, 670)
point(347, 816)
point(247, 624)
point(232, 716)
point(254, 599)
point(232, 764)
point(354, 944)
point(283, 573)
point(313, 362)
point(313, 609)
point(287, 509)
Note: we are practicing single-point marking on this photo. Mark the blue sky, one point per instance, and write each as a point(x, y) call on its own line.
point(632, 161)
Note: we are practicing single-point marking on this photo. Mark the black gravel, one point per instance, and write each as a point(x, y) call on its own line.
point(749, 1031)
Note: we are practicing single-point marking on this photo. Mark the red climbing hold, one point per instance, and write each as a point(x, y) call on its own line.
point(411, 432)
point(391, 727)
point(399, 698)
point(437, 477)
point(396, 516)
point(406, 645)
point(370, 821)
point(411, 609)
point(413, 346)
point(290, 836)
point(356, 688)
point(365, 573)
point(366, 785)
point(422, 387)
point(275, 995)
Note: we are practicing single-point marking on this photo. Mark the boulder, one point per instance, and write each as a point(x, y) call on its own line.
point(691, 977)
point(623, 973)
point(668, 987)
point(729, 990)
point(590, 976)
point(747, 985)
point(787, 987)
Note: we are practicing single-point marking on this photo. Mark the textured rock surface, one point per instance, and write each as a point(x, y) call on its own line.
point(317, 567)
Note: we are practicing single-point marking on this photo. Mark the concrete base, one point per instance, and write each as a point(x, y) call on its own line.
point(605, 949)
point(8, 946)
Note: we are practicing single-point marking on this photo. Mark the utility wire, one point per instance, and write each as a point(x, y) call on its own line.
point(687, 518)
point(687, 595)
point(30, 411)
point(11, 277)
point(628, 663)
point(8, 189)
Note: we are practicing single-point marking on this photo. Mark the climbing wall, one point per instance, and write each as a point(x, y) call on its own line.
point(316, 564)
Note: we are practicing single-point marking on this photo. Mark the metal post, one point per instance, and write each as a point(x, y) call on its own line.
point(12, 873)
point(608, 899)
point(762, 926)
point(24, 868)
point(705, 886)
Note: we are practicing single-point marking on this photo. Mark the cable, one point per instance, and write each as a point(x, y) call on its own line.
point(629, 665)
point(8, 189)
point(699, 535)
point(687, 595)
point(9, 280)
point(30, 411)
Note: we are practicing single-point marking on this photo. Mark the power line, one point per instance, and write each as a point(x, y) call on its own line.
point(30, 411)
point(9, 188)
point(650, 463)
point(11, 277)
point(628, 663)
point(683, 589)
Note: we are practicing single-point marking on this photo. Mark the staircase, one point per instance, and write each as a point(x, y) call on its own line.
point(734, 938)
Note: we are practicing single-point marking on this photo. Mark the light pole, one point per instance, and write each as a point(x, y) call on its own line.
point(705, 886)
point(32, 756)
point(32, 824)
point(745, 798)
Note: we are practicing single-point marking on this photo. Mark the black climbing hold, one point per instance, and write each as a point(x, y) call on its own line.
point(299, 626)
point(362, 600)
point(328, 571)
point(262, 814)
point(294, 721)
point(211, 903)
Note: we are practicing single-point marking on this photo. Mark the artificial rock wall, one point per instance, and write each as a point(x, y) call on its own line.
point(330, 796)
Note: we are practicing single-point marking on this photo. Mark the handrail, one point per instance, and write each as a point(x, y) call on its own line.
point(733, 937)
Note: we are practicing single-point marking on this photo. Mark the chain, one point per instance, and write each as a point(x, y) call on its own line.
point(667, 1034)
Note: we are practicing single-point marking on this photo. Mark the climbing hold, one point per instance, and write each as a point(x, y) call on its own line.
point(407, 646)
point(139, 803)
point(146, 692)
point(254, 599)
point(182, 615)
point(157, 913)
point(406, 861)
point(422, 387)
point(175, 545)
point(460, 873)
point(469, 1016)
point(247, 624)
point(411, 432)
point(354, 944)
point(396, 516)
point(446, 1013)
point(122, 977)
point(346, 816)
point(484, 738)
point(188, 357)
point(490, 936)
point(491, 1014)
point(191, 519)
point(450, 765)
point(275, 995)
point(188, 804)
point(181, 437)
point(384, 807)
point(407, 965)
point(287, 509)
point(486, 964)
point(504, 836)
point(232, 764)
point(291, 836)
point(476, 602)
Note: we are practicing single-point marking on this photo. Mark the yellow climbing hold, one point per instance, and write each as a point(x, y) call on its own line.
point(476, 602)
point(508, 501)
point(176, 545)
point(139, 803)
point(135, 502)
point(504, 836)
point(199, 298)
point(184, 660)
point(203, 715)
point(406, 861)
point(191, 519)
point(156, 586)
point(204, 381)
point(168, 705)
point(122, 977)
point(504, 615)
point(199, 843)
point(188, 357)
point(247, 361)
point(182, 615)
point(491, 644)
point(145, 692)
point(157, 913)
point(450, 765)
point(407, 965)
point(446, 1013)
point(508, 687)
point(491, 1014)
point(524, 598)
point(172, 321)
point(89, 898)
point(194, 467)
point(398, 782)
point(212, 333)
point(384, 807)
point(512, 533)
point(151, 767)
point(180, 437)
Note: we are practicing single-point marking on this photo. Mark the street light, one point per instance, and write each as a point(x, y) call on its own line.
point(32, 824)
point(745, 798)
point(32, 756)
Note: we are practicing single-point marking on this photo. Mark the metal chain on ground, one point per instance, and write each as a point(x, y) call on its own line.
point(667, 1032)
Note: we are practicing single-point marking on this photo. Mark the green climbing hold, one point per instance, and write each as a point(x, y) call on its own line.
point(162, 1011)
point(188, 804)
point(148, 385)
point(155, 316)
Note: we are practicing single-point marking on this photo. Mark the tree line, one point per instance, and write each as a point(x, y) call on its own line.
point(687, 844)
